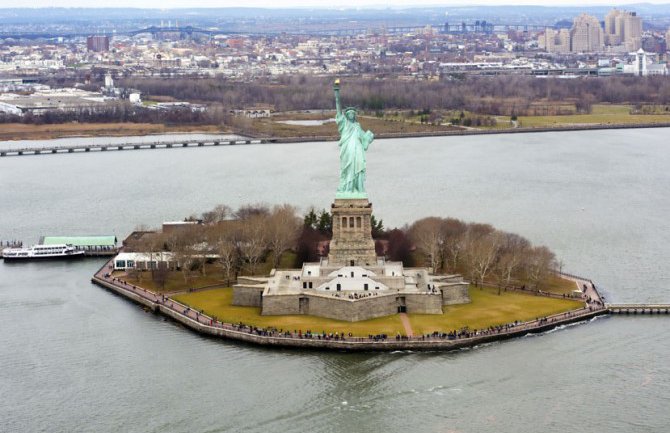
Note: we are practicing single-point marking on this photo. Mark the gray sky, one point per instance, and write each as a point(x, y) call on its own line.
point(167, 4)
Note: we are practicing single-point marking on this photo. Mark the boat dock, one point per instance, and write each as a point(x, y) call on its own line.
point(83, 148)
point(638, 308)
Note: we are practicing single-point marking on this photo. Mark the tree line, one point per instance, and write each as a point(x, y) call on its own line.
point(120, 111)
point(481, 252)
point(499, 95)
point(239, 241)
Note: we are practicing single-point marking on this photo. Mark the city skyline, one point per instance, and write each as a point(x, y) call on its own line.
point(320, 4)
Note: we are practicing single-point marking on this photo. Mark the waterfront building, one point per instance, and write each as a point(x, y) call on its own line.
point(144, 261)
point(586, 35)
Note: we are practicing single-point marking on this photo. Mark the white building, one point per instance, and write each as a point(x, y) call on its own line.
point(125, 261)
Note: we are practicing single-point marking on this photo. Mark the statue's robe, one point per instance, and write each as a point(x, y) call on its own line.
point(353, 144)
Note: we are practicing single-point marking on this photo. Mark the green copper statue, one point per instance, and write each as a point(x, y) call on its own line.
point(353, 144)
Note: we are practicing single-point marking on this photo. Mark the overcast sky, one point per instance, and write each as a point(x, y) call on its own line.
point(167, 4)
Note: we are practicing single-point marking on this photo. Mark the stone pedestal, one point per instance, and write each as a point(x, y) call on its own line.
point(352, 243)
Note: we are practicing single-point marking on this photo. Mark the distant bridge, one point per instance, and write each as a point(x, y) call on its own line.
point(188, 31)
point(82, 148)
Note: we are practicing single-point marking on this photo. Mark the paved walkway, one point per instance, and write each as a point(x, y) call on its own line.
point(438, 340)
point(406, 324)
point(589, 290)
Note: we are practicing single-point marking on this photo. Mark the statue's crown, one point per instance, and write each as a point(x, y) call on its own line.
point(348, 109)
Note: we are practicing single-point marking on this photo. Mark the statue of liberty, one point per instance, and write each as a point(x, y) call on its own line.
point(353, 144)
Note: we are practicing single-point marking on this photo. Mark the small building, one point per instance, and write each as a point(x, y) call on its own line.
point(92, 245)
point(177, 226)
point(144, 261)
point(256, 112)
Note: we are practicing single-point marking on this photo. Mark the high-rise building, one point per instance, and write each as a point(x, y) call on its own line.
point(667, 40)
point(556, 41)
point(613, 27)
point(632, 31)
point(97, 43)
point(586, 35)
point(623, 28)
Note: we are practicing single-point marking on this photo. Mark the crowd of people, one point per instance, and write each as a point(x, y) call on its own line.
point(462, 333)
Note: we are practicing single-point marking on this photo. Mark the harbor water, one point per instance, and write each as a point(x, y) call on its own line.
point(76, 358)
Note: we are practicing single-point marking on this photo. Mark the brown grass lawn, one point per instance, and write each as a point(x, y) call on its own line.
point(175, 281)
point(272, 128)
point(486, 309)
point(217, 303)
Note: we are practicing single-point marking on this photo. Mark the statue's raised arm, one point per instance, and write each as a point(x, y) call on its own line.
point(336, 89)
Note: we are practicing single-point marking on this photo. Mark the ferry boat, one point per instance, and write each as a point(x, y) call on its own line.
point(42, 252)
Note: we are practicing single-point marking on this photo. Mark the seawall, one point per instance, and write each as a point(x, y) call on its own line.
point(205, 325)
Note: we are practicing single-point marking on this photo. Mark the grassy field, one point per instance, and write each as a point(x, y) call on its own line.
point(601, 114)
point(487, 309)
point(175, 281)
point(217, 303)
point(19, 131)
point(272, 128)
point(556, 284)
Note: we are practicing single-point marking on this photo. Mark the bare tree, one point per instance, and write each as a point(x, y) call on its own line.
point(453, 231)
point(226, 238)
point(482, 251)
point(428, 237)
point(254, 241)
point(541, 261)
point(251, 210)
point(283, 228)
point(220, 213)
point(513, 252)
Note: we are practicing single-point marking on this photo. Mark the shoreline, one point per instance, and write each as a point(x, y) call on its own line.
point(212, 129)
point(464, 132)
point(207, 326)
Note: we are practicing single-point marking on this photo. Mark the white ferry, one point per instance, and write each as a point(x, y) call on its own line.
point(39, 252)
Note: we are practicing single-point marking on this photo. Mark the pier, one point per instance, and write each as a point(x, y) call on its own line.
point(83, 148)
point(638, 308)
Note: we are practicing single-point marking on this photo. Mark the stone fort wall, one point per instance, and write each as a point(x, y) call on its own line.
point(342, 308)
point(455, 293)
point(247, 296)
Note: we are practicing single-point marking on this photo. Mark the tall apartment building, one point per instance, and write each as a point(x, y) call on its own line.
point(613, 27)
point(623, 28)
point(97, 43)
point(556, 41)
point(667, 40)
point(586, 35)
